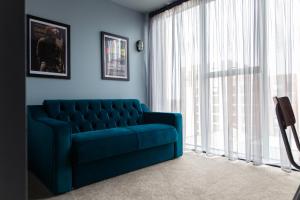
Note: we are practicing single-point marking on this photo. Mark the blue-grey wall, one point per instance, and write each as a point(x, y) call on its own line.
point(87, 18)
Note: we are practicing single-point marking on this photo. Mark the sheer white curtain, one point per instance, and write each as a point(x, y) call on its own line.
point(219, 63)
point(233, 60)
point(283, 68)
point(175, 63)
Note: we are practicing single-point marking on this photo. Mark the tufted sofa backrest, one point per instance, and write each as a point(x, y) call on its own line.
point(89, 115)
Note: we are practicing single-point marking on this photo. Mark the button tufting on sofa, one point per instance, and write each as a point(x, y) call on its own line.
point(89, 107)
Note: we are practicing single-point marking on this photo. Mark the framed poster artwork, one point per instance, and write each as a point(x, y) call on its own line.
point(48, 47)
point(115, 57)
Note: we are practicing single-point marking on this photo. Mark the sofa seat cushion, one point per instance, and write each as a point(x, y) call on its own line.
point(95, 145)
point(151, 135)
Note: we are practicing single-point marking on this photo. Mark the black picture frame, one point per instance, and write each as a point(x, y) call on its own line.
point(40, 46)
point(114, 69)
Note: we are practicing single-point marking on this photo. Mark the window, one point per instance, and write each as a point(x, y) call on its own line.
point(220, 63)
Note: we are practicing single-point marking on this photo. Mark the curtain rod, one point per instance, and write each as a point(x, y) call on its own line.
point(167, 7)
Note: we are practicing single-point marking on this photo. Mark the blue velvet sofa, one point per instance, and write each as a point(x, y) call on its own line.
point(72, 143)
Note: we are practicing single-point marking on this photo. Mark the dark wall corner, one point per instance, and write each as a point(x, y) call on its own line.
point(12, 101)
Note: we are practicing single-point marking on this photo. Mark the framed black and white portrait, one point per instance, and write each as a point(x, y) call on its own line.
point(48, 46)
point(115, 57)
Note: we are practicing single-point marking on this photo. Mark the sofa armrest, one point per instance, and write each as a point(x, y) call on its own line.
point(49, 149)
point(145, 108)
point(173, 119)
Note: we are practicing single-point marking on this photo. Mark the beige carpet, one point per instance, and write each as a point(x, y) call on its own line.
point(192, 176)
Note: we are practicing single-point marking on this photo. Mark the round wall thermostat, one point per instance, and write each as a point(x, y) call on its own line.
point(140, 45)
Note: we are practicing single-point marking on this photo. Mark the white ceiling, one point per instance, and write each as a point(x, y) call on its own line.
point(143, 6)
